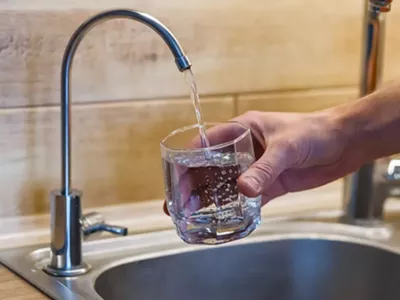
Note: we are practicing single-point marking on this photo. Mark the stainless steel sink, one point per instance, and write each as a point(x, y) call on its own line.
point(287, 259)
point(287, 269)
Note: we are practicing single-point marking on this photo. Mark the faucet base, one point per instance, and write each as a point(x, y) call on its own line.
point(66, 234)
point(68, 227)
point(77, 271)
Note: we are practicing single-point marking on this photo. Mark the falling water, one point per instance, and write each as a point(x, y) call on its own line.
point(196, 103)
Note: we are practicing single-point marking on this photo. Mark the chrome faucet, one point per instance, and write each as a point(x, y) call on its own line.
point(68, 226)
point(366, 190)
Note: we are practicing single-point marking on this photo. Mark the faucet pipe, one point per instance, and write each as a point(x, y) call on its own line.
point(359, 189)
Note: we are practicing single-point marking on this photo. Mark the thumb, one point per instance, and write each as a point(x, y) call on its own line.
point(260, 176)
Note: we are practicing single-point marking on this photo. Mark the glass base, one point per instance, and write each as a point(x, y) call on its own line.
point(217, 234)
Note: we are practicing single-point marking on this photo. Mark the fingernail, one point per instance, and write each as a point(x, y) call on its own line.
point(253, 184)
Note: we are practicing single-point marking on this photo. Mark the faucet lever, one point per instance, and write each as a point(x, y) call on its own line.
point(393, 170)
point(94, 222)
point(381, 5)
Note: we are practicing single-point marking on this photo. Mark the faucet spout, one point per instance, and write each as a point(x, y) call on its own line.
point(67, 223)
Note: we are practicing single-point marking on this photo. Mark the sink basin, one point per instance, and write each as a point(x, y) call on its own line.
point(288, 269)
point(285, 260)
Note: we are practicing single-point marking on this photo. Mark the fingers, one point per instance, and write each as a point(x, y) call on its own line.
point(204, 186)
point(265, 171)
point(276, 190)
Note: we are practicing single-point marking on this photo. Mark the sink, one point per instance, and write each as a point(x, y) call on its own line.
point(287, 259)
point(287, 269)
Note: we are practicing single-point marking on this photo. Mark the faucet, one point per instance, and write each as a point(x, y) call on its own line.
point(366, 190)
point(68, 226)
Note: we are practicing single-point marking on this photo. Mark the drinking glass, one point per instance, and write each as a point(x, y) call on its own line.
point(201, 183)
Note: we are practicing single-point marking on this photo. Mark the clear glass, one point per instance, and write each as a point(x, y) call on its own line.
point(201, 183)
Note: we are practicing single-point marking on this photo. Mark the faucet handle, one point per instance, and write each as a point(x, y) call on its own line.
point(393, 170)
point(381, 5)
point(94, 222)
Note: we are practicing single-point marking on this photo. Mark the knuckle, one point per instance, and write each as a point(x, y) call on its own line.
point(265, 170)
point(249, 119)
point(251, 115)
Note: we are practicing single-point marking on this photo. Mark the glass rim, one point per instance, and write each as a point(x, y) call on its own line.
point(215, 147)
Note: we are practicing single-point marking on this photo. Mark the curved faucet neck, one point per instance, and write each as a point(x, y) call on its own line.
point(181, 60)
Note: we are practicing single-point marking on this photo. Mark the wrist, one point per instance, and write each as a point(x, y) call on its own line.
point(370, 124)
point(350, 125)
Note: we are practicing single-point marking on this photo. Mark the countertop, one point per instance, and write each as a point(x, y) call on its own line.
point(13, 287)
point(142, 217)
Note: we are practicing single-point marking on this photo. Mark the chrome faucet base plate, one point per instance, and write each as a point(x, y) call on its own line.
point(77, 271)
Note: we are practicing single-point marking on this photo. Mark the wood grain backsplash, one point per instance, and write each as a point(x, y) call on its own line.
point(290, 55)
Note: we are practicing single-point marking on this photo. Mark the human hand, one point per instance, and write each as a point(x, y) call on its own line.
point(294, 152)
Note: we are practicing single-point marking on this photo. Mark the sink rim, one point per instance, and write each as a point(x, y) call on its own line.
point(167, 242)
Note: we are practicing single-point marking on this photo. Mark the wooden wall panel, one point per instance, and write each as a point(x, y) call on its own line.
point(115, 151)
point(300, 101)
point(235, 47)
point(391, 64)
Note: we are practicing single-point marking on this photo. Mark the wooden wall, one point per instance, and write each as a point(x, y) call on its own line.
point(289, 55)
